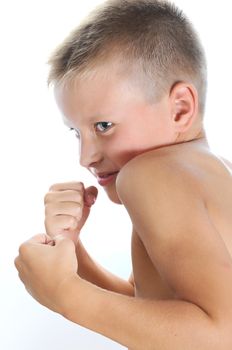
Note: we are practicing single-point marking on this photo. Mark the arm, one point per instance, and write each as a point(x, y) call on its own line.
point(189, 253)
point(184, 247)
point(48, 270)
point(91, 271)
point(67, 207)
point(142, 324)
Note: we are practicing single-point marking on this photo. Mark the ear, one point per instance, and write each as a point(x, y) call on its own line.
point(184, 106)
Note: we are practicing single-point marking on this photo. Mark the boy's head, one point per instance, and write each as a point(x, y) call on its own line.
point(151, 38)
point(131, 78)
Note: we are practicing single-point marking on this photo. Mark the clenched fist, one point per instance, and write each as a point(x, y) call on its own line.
point(47, 267)
point(67, 207)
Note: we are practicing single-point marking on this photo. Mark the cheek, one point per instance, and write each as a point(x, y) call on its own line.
point(131, 142)
point(123, 148)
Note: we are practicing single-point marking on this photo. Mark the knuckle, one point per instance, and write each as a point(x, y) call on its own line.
point(52, 209)
point(53, 187)
point(81, 185)
point(23, 249)
point(16, 262)
point(47, 198)
point(67, 186)
point(47, 210)
point(76, 187)
point(78, 184)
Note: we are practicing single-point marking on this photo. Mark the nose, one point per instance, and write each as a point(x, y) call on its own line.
point(90, 152)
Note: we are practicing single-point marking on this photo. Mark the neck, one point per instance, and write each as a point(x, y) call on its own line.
point(196, 134)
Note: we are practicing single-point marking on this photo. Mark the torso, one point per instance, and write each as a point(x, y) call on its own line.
point(215, 183)
point(148, 282)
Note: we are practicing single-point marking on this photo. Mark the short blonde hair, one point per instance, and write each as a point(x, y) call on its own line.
point(152, 34)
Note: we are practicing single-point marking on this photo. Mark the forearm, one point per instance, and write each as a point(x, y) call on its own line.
point(91, 271)
point(143, 324)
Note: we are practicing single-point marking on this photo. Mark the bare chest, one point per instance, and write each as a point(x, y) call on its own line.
point(148, 282)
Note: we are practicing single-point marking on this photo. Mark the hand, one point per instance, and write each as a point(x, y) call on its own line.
point(46, 267)
point(67, 207)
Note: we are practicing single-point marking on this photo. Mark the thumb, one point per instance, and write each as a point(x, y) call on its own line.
point(90, 196)
point(41, 238)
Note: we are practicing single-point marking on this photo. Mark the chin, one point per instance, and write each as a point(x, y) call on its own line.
point(112, 194)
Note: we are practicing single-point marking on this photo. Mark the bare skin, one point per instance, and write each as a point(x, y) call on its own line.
point(180, 205)
point(215, 182)
point(210, 177)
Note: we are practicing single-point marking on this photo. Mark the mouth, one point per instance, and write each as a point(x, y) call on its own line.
point(105, 178)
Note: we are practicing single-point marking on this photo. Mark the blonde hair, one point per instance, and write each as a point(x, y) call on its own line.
point(154, 35)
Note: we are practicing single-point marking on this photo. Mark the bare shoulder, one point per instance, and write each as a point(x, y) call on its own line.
point(162, 194)
point(170, 187)
point(174, 169)
point(157, 171)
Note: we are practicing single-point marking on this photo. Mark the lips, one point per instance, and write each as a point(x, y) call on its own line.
point(105, 174)
point(105, 178)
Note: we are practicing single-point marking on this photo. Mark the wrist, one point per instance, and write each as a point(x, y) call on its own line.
point(82, 257)
point(73, 235)
point(80, 302)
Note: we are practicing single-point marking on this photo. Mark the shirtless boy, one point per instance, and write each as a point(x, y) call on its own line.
point(131, 82)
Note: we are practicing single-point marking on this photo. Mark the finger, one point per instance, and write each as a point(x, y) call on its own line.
point(62, 241)
point(76, 186)
point(19, 267)
point(64, 196)
point(58, 224)
point(40, 238)
point(64, 208)
point(90, 195)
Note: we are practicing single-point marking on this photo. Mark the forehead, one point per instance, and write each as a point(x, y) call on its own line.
point(100, 91)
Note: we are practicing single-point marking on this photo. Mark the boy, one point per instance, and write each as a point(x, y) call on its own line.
point(131, 82)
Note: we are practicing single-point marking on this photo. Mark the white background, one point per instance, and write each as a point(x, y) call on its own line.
point(37, 151)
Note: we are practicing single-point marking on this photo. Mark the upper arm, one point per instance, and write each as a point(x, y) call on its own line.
point(169, 214)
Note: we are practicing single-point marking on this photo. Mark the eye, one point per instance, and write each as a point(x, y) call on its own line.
point(103, 126)
point(77, 134)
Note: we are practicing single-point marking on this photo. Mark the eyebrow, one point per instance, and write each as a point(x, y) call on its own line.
point(92, 118)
